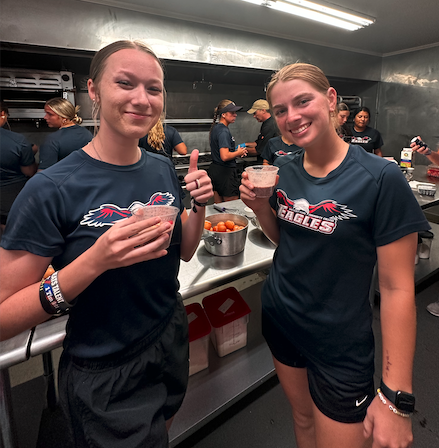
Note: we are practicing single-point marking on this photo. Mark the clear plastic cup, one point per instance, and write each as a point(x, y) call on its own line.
point(263, 177)
point(166, 212)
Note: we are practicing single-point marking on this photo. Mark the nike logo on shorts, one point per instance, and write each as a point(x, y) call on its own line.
point(359, 403)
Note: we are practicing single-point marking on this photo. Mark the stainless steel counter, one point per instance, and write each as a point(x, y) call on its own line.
point(206, 271)
point(420, 175)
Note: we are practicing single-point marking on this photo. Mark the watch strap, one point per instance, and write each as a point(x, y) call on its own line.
point(404, 401)
point(199, 204)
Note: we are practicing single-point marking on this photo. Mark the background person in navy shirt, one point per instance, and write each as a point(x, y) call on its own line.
point(61, 114)
point(17, 165)
point(368, 138)
point(163, 138)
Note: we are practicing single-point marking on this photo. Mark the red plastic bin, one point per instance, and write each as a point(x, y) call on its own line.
point(199, 330)
point(228, 314)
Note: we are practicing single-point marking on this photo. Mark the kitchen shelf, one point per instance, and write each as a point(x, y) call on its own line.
point(227, 379)
point(188, 121)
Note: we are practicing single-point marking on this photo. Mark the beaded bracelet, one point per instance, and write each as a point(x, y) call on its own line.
point(391, 407)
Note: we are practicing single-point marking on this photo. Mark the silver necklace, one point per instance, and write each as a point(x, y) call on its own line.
point(95, 150)
point(100, 158)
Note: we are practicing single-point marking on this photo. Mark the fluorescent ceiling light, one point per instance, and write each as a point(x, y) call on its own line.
point(314, 11)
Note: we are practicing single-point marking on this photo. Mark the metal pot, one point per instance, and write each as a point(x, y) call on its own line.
point(225, 244)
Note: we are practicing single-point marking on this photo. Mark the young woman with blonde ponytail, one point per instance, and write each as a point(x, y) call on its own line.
point(62, 114)
point(163, 139)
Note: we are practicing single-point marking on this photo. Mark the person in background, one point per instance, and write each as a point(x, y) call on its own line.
point(61, 114)
point(343, 130)
point(277, 147)
point(124, 369)
point(223, 170)
point(370, 139)
point(17, 165)
point(261, 112)
point(433, 156)
point(163, 138)
point(332, 197)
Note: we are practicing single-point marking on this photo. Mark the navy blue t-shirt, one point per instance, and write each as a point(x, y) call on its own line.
point(318, 287)
point(277, 148)
point(61, 143)
point(172, 139)
point(370, 139)
point(15, 151)
point(82, 198)
point(221, 138)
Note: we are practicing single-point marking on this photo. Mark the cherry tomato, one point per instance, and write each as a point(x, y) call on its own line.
point(230, 224)
point(207, 225)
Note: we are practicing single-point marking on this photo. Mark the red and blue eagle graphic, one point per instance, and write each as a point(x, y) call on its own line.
point(321, 217)
point(109, 214)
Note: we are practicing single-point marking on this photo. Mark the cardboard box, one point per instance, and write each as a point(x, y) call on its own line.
point(406, 157)
point(228, 314)
point(199, 330)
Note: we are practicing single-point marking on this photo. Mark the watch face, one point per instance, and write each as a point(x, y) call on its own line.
point(405, 401)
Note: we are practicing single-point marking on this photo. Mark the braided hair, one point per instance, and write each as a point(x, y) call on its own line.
point(221, 105)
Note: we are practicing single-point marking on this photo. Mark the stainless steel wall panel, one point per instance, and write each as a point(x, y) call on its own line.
point(409, 100)
point(88, 26)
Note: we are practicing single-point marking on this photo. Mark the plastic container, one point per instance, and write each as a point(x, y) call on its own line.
point(199, 330)
point(424, 244)
point(433, 170)
point(228, 314)
point(263, 178)
point(427, 189)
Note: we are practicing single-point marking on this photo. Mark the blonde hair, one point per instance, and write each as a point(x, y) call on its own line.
point(99, 63)
point(65, 109)
point(221, 105)
point(342, 106)
point(156, 136)
point(306, 72)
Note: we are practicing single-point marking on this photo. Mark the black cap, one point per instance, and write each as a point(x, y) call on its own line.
point(231, 107)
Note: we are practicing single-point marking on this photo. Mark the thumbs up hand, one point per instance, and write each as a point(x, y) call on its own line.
point(198, 183)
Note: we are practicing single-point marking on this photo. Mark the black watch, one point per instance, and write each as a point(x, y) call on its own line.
point(403, 401)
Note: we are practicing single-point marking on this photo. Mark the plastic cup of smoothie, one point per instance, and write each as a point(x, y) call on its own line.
point(263, 178)
point(167, 213)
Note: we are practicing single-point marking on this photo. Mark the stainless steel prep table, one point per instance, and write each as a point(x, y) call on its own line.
point(12, 351)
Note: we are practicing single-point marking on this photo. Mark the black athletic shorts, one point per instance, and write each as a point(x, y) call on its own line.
point(342, 401)
point(225, 179)
point(124, 400)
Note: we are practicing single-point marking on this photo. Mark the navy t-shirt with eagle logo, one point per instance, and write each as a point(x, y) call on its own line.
point(318, 287)
point(369, 139)
point(63, 210)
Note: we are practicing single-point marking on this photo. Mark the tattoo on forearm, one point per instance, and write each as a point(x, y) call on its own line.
point(388, 363)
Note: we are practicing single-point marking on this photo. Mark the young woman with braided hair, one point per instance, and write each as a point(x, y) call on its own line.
point(223, 170)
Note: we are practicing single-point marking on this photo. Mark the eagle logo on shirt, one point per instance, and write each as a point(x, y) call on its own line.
point(282, 153)
point(322, 217)
point(359, 139)
point(109, 214)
